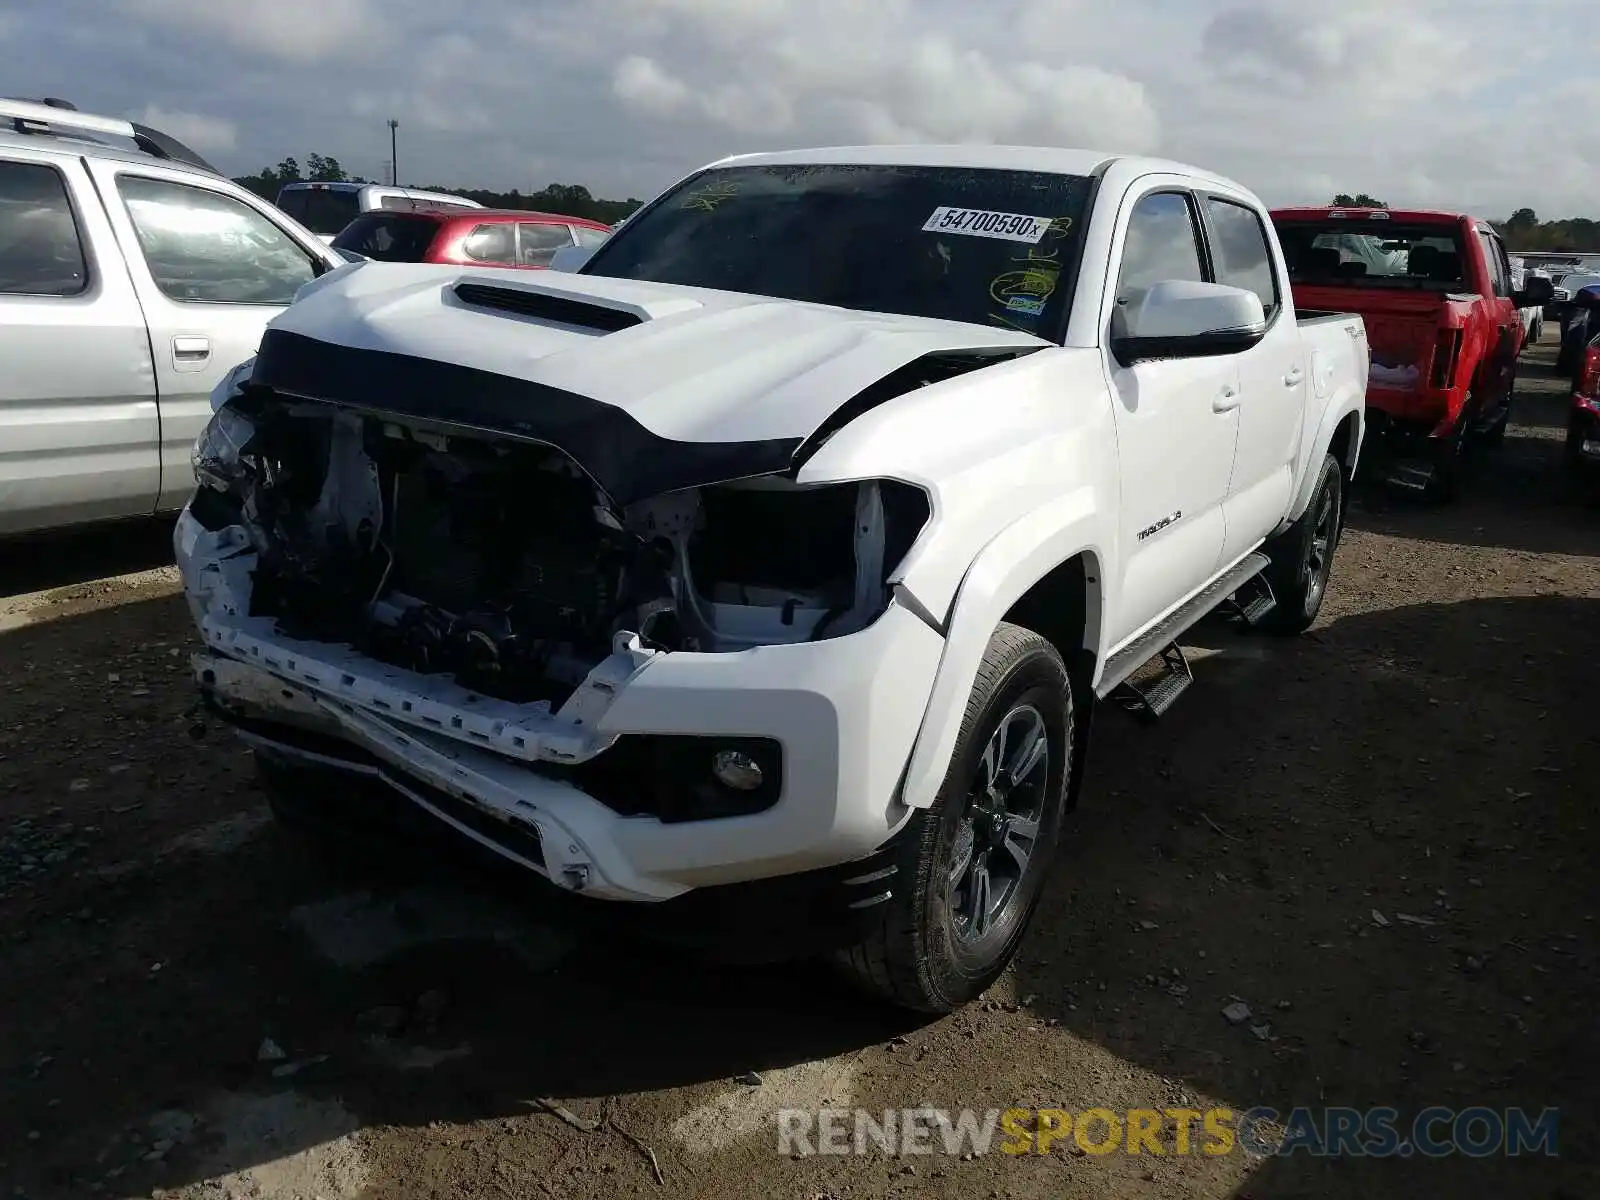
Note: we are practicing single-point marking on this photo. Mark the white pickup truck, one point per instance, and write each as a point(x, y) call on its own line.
point(769, 567)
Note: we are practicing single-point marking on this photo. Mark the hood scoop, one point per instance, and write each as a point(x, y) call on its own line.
point(563, 310)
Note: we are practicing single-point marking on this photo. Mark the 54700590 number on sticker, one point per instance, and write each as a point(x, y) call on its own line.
point(977, 222)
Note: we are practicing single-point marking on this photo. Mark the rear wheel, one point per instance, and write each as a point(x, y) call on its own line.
point(1302, 556)
point(1495, 433)
point(973, 865)
point(1448, 454)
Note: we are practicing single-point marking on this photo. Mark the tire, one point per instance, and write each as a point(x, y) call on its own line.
point(1496, 433)
point(1302, 556)
point(1445, 486)
point(929, 951)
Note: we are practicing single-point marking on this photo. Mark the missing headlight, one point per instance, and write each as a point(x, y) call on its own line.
point(770, 561)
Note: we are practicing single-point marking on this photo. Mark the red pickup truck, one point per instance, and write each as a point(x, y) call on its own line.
point(1443, 322)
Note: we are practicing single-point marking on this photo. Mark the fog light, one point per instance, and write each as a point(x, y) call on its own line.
point(737, 770)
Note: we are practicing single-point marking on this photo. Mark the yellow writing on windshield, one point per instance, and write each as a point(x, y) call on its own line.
point(707, 197)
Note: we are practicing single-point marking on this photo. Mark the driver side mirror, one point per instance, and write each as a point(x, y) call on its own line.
point(1184, 319)
point(1537, 291)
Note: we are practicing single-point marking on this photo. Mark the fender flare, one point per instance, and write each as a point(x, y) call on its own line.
point(1346, 401)
point(1012, 562)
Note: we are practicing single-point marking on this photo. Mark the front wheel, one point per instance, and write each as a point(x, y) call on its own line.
point(972, 866)
point(1302, 555)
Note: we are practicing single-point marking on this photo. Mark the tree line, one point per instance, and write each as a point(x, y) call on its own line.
point(570, 200)
point(1522, 230)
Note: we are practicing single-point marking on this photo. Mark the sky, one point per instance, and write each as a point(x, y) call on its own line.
point(1445, 103)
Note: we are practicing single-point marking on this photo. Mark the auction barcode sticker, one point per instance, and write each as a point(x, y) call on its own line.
point(976, 222)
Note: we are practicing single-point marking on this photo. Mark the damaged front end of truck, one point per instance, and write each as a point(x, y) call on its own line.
point(397, 571)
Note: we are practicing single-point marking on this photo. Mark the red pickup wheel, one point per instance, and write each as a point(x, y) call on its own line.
point(1495, 432)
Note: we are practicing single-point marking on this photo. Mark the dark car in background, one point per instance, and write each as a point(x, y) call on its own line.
point(1582, 325)
point(1572, 311)
point(1583, 417)
point(491, 237)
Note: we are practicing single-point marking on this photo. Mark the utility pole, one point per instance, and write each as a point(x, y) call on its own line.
point(394, 156)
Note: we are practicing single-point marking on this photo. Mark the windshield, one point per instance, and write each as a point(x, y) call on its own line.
point(987, 247)
point(321, 210)
point(1373, 254)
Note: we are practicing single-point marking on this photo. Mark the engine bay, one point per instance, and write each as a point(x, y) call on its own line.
point(501, 563)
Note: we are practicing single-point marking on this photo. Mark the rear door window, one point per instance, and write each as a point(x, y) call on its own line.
point(1239, 245)
point(41, 252)
point(589, 238)
point(204, 247)
point(538, 241)
point(389, 236)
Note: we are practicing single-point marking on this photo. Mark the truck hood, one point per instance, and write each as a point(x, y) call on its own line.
point(649, 387)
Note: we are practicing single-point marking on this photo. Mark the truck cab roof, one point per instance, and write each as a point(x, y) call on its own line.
point(1050, 159)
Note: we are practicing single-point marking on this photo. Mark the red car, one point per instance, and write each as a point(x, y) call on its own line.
point(492, 237)
point(1443, 320)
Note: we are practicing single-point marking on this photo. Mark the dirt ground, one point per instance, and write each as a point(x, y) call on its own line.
point(194, 1004)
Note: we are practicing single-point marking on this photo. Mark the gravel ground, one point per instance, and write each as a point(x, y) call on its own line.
point(1376, 837)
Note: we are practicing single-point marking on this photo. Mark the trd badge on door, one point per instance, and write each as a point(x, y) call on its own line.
point(1152, 530)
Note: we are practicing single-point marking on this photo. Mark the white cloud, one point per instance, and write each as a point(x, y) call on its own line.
point(209, 135)
point(860, 70)
point(1357, 52)
point(1456, 103)
point(295, 30)
point(644, 87)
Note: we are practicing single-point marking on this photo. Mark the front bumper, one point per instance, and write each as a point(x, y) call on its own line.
point(846, 712)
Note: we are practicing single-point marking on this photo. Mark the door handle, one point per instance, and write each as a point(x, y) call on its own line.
point(1294, 378)
point(1226, 400)
point(190, 353)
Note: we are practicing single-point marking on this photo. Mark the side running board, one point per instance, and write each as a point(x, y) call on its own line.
point(1165, 633)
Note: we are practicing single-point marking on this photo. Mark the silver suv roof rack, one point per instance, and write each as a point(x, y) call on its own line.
point(61, 117)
